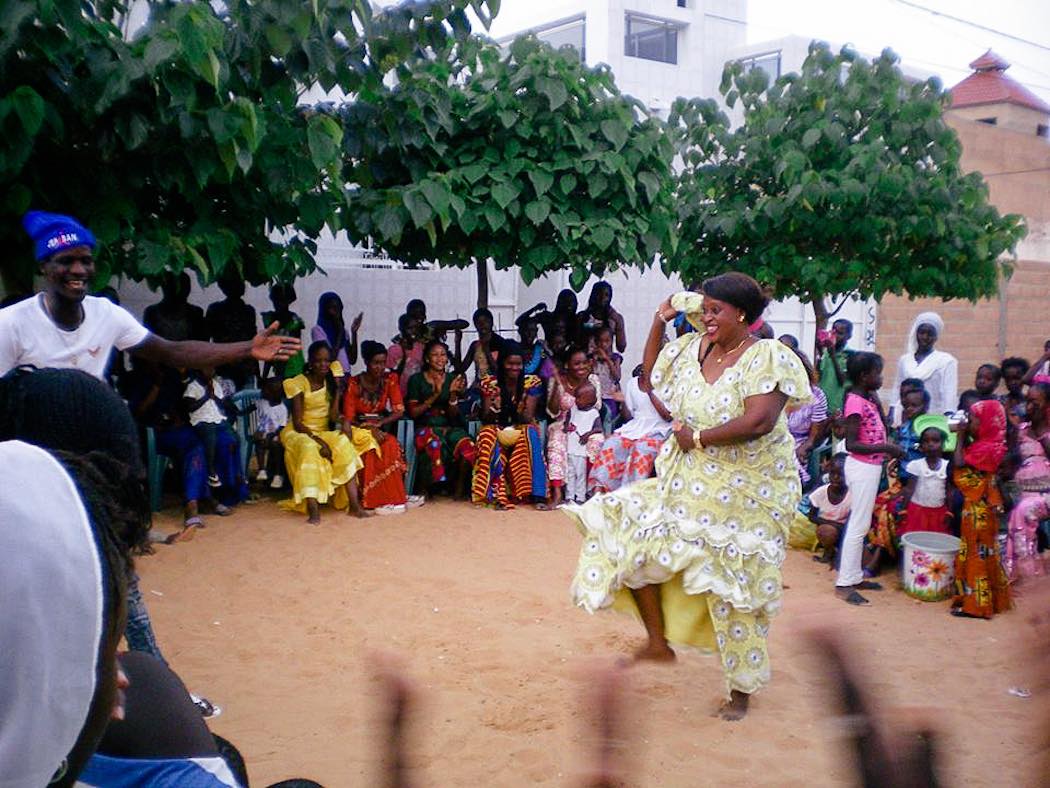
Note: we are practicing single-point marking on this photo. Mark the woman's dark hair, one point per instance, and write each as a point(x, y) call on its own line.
point(415, 303)
point(567, 303)
point(603, 329)
point(402, 323)
point(1042, 388)
point(1014, 362)
point(967, 398)
point(860, 364)
point(482, 312)
point(738, 290)
point(811, 373)
point(337, 337)
point(370, 349)
point(329, 380)
point(283, 290)
point(570, 351)
point(510, 348)
point(997, 373)
point(592, 299)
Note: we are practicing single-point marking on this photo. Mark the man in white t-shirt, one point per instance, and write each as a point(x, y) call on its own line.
point(64, 327)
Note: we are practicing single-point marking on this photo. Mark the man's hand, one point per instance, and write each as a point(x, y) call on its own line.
point(356, 325)
point(266, 346)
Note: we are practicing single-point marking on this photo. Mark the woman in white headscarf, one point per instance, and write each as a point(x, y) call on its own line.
point(938, 371)
point(62, 582)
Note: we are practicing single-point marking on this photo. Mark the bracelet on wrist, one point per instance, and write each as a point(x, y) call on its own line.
point(697, 442)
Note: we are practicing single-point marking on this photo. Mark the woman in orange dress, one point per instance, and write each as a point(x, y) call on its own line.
point(372, 401)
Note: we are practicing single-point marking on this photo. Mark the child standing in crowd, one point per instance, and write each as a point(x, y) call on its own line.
point(273, 417)
point(206, 405)
point(1031, 455)
point(1014, 370)
point(868, 447)
point(926, 492)
point(829, 509)
point(607, 364)
point(981, 588)
point(581, 423)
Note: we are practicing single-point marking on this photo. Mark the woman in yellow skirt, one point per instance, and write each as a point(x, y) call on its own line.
point(321, 461)
point(696, 551)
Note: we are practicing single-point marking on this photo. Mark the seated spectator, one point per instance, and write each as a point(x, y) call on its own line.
point(373, 402)
point(321, 461)
point(446, 452)
point(232, 320)
point(330, 328)
point(538, 356)
point(1031, 460)
point(629, 454)
point(829, 509)
point(273, 417)
point(482, 354)
point(207, 407)
point(509, 463)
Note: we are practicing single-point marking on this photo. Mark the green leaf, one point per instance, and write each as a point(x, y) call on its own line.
point(603, 236)
point(567, 183)
point(554, 90)
point(390, 222)
point(504, 194)
point(29, 107)
point(538, 210)
point(279, 39)
point(437, 195)
point(614, 131)
point(494, 216)
point(541, 181)
point(324, 138)
point(810, 138)
point(651, 184)
point(160, 49)
point(474, 172)
point(578, 278)
point(508, 117)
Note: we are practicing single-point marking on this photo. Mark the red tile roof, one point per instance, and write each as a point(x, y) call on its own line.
point(989, 85)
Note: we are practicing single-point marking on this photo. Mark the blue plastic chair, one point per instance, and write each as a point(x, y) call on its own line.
point(406, 436)
point(156, 464)
point(246, 422)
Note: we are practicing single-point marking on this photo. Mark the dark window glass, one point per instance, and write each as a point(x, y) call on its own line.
point(650, 39)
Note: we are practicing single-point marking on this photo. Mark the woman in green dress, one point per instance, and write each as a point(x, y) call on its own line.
point(445, 450)
point(696, 551)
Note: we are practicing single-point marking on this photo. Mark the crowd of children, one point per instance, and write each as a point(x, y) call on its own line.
point(979, 472)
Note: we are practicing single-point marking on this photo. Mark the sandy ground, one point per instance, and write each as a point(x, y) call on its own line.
point(277, 623)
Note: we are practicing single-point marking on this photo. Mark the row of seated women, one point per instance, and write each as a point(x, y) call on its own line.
point(338, 448)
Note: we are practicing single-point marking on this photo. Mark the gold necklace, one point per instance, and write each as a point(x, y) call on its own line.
point(734, 350)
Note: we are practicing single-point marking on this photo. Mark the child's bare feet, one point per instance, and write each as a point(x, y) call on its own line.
point(655, 652)
point(735, 708)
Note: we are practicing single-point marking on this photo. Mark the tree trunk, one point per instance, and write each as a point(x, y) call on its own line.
point(481, 267)
point(820, 313)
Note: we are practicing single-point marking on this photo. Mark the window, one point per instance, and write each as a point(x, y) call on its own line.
point(1042, 130)
point(769, 62)
point(572, 33)
point(683, 3)
point(651, 39)
point(989, 121)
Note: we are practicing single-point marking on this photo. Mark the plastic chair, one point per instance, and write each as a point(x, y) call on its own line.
point(156, 464)
point(406, 436)
point(246, 422)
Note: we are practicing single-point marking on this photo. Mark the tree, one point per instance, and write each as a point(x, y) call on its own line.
point(527, 157)
point(185, 147)
point(843, 180)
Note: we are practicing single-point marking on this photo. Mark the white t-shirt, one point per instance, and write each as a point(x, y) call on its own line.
point(209, 412)
point(583, 420)
point(272, 418)
point(645, 419)
point(836, 512)
point(930, 483)
point(28, 336)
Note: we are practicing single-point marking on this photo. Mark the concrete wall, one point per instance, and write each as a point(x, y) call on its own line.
point(1007, 116)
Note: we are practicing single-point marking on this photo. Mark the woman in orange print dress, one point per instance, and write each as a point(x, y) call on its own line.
point(373, 400)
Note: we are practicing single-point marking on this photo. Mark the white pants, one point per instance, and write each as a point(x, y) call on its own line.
point(862, 478)
point(576, 478)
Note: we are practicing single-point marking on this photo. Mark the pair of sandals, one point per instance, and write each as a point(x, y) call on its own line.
point(855, 598)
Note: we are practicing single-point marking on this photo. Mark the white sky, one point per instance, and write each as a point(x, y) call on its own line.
point(924, 40)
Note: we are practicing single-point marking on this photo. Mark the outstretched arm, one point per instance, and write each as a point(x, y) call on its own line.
point(265, 346)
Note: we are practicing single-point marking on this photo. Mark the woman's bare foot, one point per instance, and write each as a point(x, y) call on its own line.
point(655, 652)
point(359, 512)
point(313, 512)
point(735, 708)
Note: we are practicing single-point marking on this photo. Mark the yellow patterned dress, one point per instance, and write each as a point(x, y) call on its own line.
point(711, 528)
point(313, 476)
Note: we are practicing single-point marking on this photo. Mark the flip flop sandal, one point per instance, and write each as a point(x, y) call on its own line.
point(853, 598)
point(188, 528)
point(869, 585)
point(223, 510)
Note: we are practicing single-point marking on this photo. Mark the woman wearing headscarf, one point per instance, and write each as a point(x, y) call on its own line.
point(373, 401)
point(330, 328)
point(938, 371)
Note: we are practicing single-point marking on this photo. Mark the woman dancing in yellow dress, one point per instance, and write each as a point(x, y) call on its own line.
point(696, 551)
point(320, 459)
